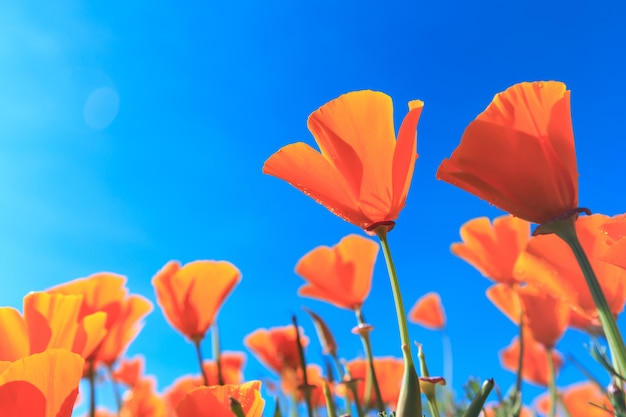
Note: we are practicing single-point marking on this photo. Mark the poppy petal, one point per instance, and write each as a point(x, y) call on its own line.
point(405, 154)
point(56, 373)
point(14, 334)
point(307, 170)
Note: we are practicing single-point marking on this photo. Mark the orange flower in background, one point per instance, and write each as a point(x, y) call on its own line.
point(214, 401)
point(191, 296)
point(232, 365)
point(129, 371)
point(490, 411)
point(292, 383)
point(549, 263)
point(428, 312)
point(389, 372)
point(341, 275)
point(276, 348)
point(519, 153)
point(578, 399)
point(106, 292)
point(506, 299)
point(49, 321)
point(545, 316)
point(615, 231)
point(535, 368)
point(362, 174)
point(41, 385)
point(493, 249)
point(143, 401)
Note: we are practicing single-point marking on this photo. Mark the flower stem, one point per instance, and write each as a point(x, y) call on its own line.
point(410, 398)
point(552, 384)
point(367, 345)
point(217, 353)
point(566, 230)
point(395, 287)
point(448, 366)
point(306, 388)
point(116, 390)
point(349, 385)
point(520, 359)
point(92, 389)
point(196, 343)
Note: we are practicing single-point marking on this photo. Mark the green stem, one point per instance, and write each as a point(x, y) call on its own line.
point(447, 358)
point(367, 345)
point(92, 389)
point(587, 374)
point(116, 390)
point(351, 387)
point(196, 343)
point(306, 388)
point(520, 359)
point(566, 230)
point(552, 384)
point(395, 288)
point(410, 398)
point(217, 352)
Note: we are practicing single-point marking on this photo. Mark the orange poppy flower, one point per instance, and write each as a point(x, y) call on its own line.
point(292, 382)
point(493, 248)
point(143, 401)
point(215, 401)
point(519, 153)
point(615, 230)
point(428, 312)
point(106, 292)
point(535, 368)
point(490, 411)
point(341, 275)
point(506, 299)
point(549, 263)
point(389, 372)
point(545, 316)
point(276, 348)
point(41, 385)
point(191, 296)
point(578, 399)
point(129, 371)
point(362, 174)
point(49, 321)
point(231, 363)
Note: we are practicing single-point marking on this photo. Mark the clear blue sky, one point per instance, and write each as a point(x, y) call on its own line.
point(133, 133)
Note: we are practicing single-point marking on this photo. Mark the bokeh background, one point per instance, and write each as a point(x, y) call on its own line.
point(134, 133)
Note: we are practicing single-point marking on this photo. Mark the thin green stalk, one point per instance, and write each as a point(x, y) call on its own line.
point(116, 390)
point(586, 372)
point(217, 352)
point(566, 230)
point(429, 387)
point(330, 404)
point(351, 387)
point(306, 388)
point(92, 389)
point(520, 360)
point(367, 345)
point(564, 408)
point(395, 288)
point(346, 378)
point(196, 343)
point(410, 398)
point(448, 365)
point(552, 384)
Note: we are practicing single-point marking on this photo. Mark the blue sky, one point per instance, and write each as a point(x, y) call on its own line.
point(135, 133)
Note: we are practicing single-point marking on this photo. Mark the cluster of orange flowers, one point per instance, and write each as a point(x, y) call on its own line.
point(518, 154)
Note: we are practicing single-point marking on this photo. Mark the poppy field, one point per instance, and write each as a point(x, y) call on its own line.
point(554, 265)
